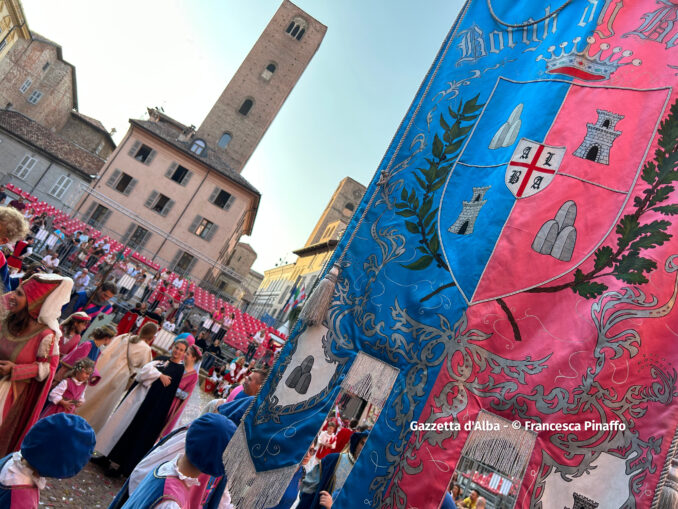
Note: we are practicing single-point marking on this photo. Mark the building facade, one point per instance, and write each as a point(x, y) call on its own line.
point(43, 163)
point(13, 25)
point(177, 205)
point(275, 290)
point(36, 81)
point(176, 194)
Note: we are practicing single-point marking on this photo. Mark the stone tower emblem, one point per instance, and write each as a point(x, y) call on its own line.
point(581, 502)
point(469, 213)
point(599, 138)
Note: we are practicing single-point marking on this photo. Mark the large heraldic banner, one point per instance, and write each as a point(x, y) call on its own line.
point(513, 263)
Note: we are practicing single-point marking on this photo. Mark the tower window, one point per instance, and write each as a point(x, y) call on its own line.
point(44, 67)
point(267, 73)
point(225, 140)
point(198, 147)
point(246, 107)
point(297, 28)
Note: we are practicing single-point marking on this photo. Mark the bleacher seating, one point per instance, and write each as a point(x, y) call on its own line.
point(244, 325)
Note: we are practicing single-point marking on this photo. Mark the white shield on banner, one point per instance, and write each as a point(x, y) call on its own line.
point(532, 167)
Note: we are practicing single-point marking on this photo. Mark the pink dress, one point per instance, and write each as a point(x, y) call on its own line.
point(22, 405)
point(66, 345)
point(74, 391)
point(187, 384)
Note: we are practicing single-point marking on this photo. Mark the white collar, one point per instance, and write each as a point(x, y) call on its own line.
point(17, 472)
point(170, 468)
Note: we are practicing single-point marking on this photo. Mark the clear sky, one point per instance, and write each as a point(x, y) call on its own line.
point(337, 122)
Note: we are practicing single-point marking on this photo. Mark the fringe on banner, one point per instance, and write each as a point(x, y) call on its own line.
point(248, 488)
point(315, 309)
point(370, 379)
point(669, 494)
point(508, 450)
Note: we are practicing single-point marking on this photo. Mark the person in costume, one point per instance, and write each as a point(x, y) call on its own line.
point(185, 389)
point(22, 249)
point(118, 366)
point(325, 481)
point(137, 422)
point(13, 228)
point(211, 493)
point(168, 485)
point(69, 394)
point(29, 353)
point(71, 332)
point(93, 302)
point(58, 446)
point(91, 349)
point(327, 440)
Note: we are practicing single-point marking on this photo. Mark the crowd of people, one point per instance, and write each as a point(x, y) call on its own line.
point(120, 406)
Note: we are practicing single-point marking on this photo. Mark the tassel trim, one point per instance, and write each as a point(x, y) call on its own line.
point(248, 488)
point(370, 379)
point(315, 309)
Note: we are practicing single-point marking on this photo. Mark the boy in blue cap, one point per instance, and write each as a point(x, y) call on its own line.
point(57, 446)
point(168, 485)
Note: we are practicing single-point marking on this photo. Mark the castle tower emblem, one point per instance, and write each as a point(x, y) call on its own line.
point(469, 213)
point(582, 502)
point(599, 138)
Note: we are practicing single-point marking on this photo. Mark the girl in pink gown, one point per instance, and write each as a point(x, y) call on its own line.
point(186, 386)
point(69, 394)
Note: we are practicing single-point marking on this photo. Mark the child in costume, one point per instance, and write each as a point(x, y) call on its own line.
point(69, 394)
point(57, 446)
point(168, 485)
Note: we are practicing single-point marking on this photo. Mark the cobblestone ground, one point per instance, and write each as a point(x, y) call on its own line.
point(91, 489)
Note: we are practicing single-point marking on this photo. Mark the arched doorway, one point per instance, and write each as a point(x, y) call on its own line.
point(592, 154)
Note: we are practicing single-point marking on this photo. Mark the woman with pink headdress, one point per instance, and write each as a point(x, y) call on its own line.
point(188, 382)
point(29, 353)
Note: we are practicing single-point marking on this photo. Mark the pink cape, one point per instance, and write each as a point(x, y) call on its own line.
point(187, 384)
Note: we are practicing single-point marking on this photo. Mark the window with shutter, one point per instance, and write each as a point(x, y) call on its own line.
point(113, 178)
point(178, 174)
point(214, 194)
point(204, 227)
point(194, 224)
point(128, 233)
point(170, 170)
point(186, 179)
point(229, 202)
point(144, 154)
point(167, 208)
point(130, 187)
point(150, 157)
point(211, 232)
point(220, 198)
point(152, 199)
point(61, 186)
point(134, 149)
point(24, 167)
point(138, 237)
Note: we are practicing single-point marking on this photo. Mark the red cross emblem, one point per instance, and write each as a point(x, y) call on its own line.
point(532, 167)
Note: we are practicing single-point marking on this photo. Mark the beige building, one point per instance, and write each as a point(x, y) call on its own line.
point(175, 193)
point(13, 25)
point(275, 289)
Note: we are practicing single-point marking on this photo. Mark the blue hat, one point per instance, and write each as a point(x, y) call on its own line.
point(355, 439)
point(59, 445)
point(206, 440)
point(236, 409)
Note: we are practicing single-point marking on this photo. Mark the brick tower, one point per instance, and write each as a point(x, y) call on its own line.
point(257, 91)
